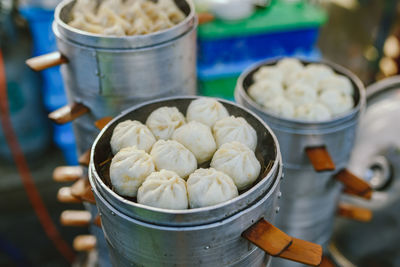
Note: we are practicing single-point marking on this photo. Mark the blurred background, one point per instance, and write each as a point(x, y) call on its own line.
point(362, 35)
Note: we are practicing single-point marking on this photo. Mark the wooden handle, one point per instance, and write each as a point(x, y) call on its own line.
point(354, 185)
point(84, 243)
point(100, 124)
point(278, 244)
point(303, 252)
point(205, 17)
point(267, 237)
point(354, 212)
point(84, 159)
point(320, 159)
point(67, 173)
point(46, 61)
point(326, 262)
point(97, 220)
point(68, 113)
point(75, 218)
point(82, 190)
point(64, 195)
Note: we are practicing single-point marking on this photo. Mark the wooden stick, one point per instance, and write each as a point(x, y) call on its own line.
point(84, 159)
point(67, 173)
point(75, 218)
point(304, 252)
point(326, 262)
point(205, 17)
point(354, 185)
point(320, 159)
point(82, 190)
point(68, 113)
point(354, 212)
point(84, 243)
point(64, 195)
point(97, 221)
point(46, 61)
point(100, 124)
point(366, 195)
point(267, 237)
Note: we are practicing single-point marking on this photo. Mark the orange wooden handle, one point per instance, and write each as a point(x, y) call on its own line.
point(67, 173)
point(354, 212)
point(320, 158)
point(205, 17)
point(46, 61)
point(84, 243)
point(354, 185)
point(326, 262)
point(84, 159)
point(267, 237)
point(304, 252)
point(64, 195)
point(68, 113)
point(82, 190)
point(100, 124)
point(75, 218)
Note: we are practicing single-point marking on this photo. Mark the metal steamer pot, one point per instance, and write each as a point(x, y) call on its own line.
point(376, 158)
point(310, 193)
point(139, 235)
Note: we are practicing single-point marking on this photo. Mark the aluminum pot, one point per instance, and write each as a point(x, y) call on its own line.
point(139, 235)
point(310, 197)
point(376, 158)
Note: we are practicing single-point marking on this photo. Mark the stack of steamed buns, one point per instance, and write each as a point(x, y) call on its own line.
point(159, 162)
point(291, 90)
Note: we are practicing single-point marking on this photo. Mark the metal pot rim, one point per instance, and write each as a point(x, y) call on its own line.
point(125, 42)
point(297, 122)
point(225, 207)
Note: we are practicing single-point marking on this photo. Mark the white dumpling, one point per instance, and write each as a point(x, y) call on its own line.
point(235, 129)
point(164, 121)
point(268, 73)
point(337, 102)
point(206, 111)
point(264, 91)
point(313, 112)
point(174, 14)
point(239, 162)
point(131, 133)
point(280, 106)
point(337, 82)
point(320, 71)
point(198, 138)
point(304, 76)
point(173, 156)
point(128, 169)
point(208, 187)
point(164, 189)
point(301, 93)
point(289, 66)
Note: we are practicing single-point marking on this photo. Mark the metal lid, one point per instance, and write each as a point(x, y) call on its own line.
point(62, 17)
point(267, 151)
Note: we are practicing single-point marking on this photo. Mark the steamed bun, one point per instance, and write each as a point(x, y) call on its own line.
point(207, 187)
point(173, 156)
point(336, 82)
point(280, 106)
point(164, 121)
point(198, 138)
point(337, 102)
point(315, 112)
point(271, 73)
point(300, 94)
point(235, 129)
point(265, 91)
point(131, 133)
point(128, 169)
point(164, 189)
point(239, 162)
point(206, 111)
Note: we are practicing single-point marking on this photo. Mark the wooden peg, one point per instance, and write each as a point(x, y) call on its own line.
point(46, 61)
point(75, 218)
point(267, 237)
point(64, 195)
point(303, 252)
point(205, 17)
point(354, 212)
point(82, 190)
point(100, 124)
point(84, 243)
point(354, 185)
point(84, 159)
point(97, 221)
point(68, 113)
point(320, 159)
point(67, 173)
